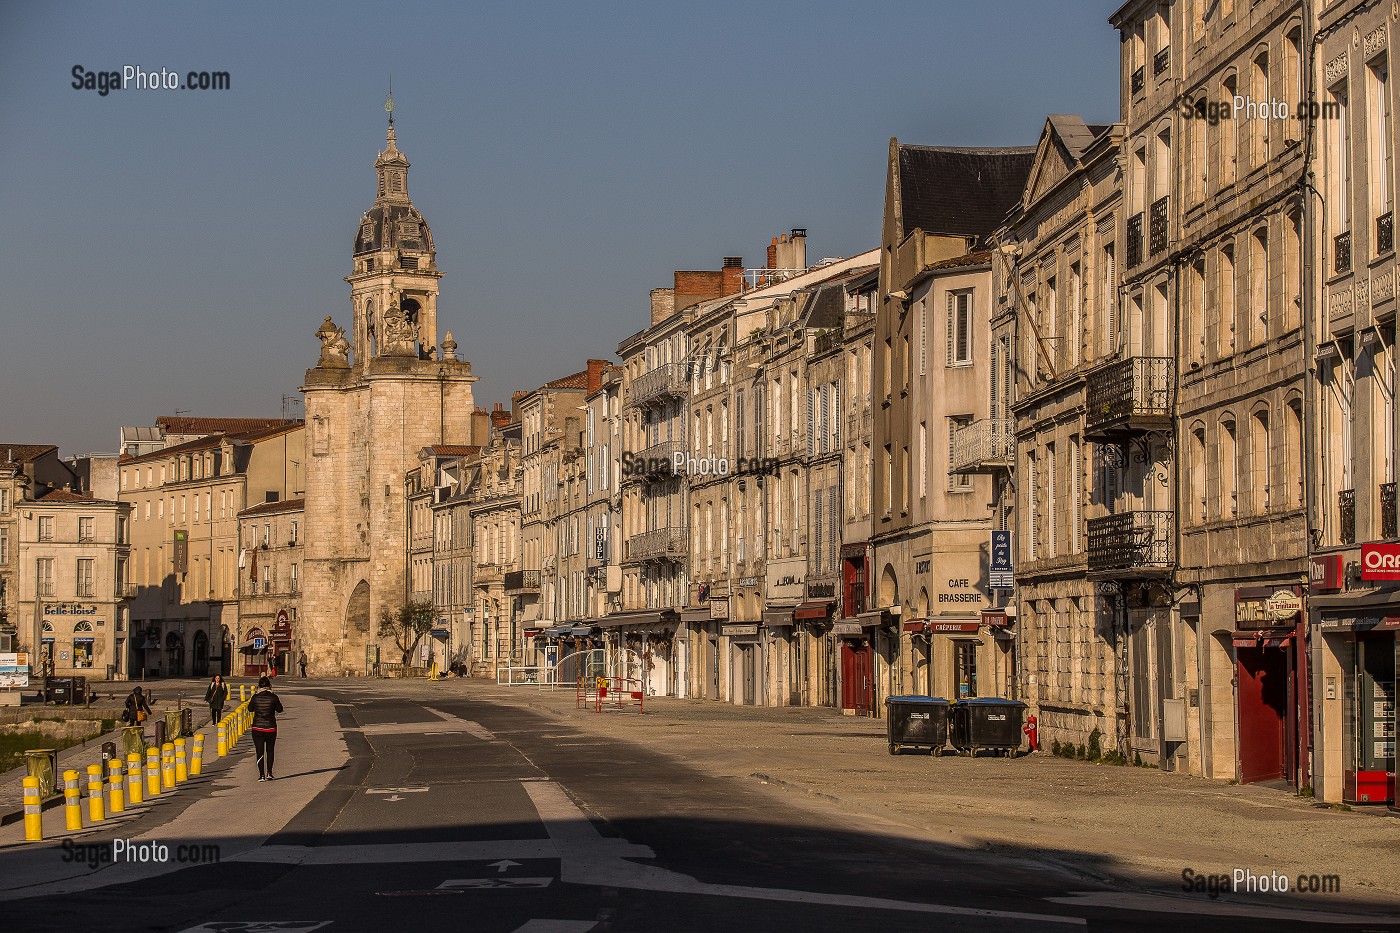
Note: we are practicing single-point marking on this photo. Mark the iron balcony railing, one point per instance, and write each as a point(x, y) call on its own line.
point(1157, 226)
point(665, 381)
point(1161, 60)
point(1135, 239)
point(522, 581)
point(126, 590)
point(1139, 79)
point(1389, 527)
point(1341, 253)
point(1130, 395)
point(658, 459)
point(826, 341)
point(1131, 542)
point(1346, 515)
point(1385, 232)
point(984, 445)
point(658, 544)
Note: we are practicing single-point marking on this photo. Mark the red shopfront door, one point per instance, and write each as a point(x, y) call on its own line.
point(1264, 699)
point(858, 676)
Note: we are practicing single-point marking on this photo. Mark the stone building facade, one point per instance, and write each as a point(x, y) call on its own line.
point(26, 470)
point(374, 399)
point(266, 631)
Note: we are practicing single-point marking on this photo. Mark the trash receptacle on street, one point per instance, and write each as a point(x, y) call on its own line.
point(58, 690)
point(172, 724)
point(42, 763)
point(133, 741)
point(917, 722)
point(987, 722)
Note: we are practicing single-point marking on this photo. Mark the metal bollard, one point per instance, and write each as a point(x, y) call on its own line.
point(223, 739)
point(116, 800)
point(152, 772)
point(72, 802)
point(197, 755)
point(96, 812)
point(167, 767)
point(133, 779)
point(33, 815)
point(182, 770)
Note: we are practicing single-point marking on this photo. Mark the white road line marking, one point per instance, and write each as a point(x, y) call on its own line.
point(494, 884)
point(396, 790)
point(1164, 903)
point(259, 926)
point(405, 852)
point(586, 857)
point(558, 926)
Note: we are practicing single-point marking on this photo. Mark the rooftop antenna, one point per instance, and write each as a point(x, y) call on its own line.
point(389, 101)
point(180, 412)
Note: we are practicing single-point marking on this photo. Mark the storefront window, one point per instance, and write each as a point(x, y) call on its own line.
point(82, 652)
point(1372, 712)
point(965, 668)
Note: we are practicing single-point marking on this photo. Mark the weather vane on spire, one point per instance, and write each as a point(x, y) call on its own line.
point(389, 101)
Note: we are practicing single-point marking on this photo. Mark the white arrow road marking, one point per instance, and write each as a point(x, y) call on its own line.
point(396, 790)
point(503, 865)
point(1162, 903)
point(494, 884)
point(558, 926)
point(586, 857)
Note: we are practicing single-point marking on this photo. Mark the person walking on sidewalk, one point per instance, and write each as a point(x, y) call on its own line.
point(302, 662)
point(265, 707)
point(216, 696)
point(138, 710)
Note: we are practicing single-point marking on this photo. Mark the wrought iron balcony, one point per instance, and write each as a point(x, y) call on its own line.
point(1341, 253)
point(1346, 515)
point(518, 582)
point(663, 382)
point(1385, 232)
point(1132, 544)
point(126, 590)
point(657, 459)
point(1139, 79)
point(1157, 226)
point(1130, 396)
point(658, 544)
point(983, 446)
point(1161, 60)
point(1135, 239)
point(826, 341)
point(1389, 528)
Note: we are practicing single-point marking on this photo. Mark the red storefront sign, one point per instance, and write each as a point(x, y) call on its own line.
point(1325, 572)
point(954, 627)
point(995, 618)
point(1380, 561)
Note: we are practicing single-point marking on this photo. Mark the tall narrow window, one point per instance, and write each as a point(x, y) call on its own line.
point(1259, 286)
point(1381, 158)
point(1076, 495)
point(1108, 303)
point(1194, 340)
point(959, 335)
point(1196, 511)
point(1032, 537)
point(1228, 130)
point(1259, 127)
point(1229, 470)
point(923, 459)
point(1052, 500)
point(957, 482)
point(1259, 461)
point(1074, 332)
point(1225, 317)
point(1339, 210)
point(923, 335)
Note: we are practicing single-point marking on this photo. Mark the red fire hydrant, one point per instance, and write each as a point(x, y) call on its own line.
point(1032, 732)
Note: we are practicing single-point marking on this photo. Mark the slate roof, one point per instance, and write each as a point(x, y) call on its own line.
point(828, 306)
point(959, 191)
point(454, 450)
point(210, 441)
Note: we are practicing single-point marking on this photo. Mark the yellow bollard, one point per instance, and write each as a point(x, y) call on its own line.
point(33, 815)
point(116, 801)
point(242, 692)
point(96, 812)
point(152, 772)
point(223, 739)
point(167, 767)
point(182, 770)
point(133, 779)
point(197, 756)
point(72, 802)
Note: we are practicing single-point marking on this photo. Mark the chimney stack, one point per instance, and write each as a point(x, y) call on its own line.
point(732, 276)
point(791, 249)
point(499, 416)
point(596, 368)
point(773, 254)
point(663, 304)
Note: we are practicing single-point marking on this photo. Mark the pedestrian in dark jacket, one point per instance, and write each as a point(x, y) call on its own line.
point(137, 709)
point(302, 662)
point(216, 696)
point(265, 707)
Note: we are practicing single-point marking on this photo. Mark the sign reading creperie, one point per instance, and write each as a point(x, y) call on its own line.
point(1380, 561)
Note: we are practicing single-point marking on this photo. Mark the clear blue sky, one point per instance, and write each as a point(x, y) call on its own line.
point(169, 250)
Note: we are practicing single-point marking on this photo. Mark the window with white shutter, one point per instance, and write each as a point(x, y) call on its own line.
point(836, 415)
point(959, 337)
point(957, 482)
point(923, 336)
point(739, 423)
point(817, 510)
point(1032, 539)
point(833, 508)
point(811, 415)
point(824, 424)
point(1052, 512)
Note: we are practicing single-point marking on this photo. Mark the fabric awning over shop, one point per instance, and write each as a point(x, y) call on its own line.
point(776, 618)
point(646, 617)
point(813, 610)
point(697, 615)
point(1262, 639)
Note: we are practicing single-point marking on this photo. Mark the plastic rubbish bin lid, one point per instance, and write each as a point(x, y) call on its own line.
point(990, 701)
point(916, 699)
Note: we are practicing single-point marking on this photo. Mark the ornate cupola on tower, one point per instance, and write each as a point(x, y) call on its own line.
point(393, 285)
point(373, 401)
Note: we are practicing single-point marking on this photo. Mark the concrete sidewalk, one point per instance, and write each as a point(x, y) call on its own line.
point(226, 806)
point(1111, 824)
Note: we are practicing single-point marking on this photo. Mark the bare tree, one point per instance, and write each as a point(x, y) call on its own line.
point(407, 625)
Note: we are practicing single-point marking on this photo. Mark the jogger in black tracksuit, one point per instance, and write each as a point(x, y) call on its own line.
point(265, 707)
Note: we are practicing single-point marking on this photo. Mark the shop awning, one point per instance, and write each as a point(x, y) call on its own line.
point(697, 615)
point(778, 617)
point(816, 610)
point(620, 619)
point(1262, 639)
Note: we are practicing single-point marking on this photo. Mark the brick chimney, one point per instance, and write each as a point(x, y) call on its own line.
point(732, 276)
point(499, 416)
point(663, 304)
point(773, 254)
point(596, 368)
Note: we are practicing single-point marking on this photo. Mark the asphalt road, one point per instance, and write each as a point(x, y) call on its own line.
point(454, 813)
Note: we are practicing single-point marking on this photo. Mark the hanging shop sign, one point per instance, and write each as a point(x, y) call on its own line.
point(1380, 561)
